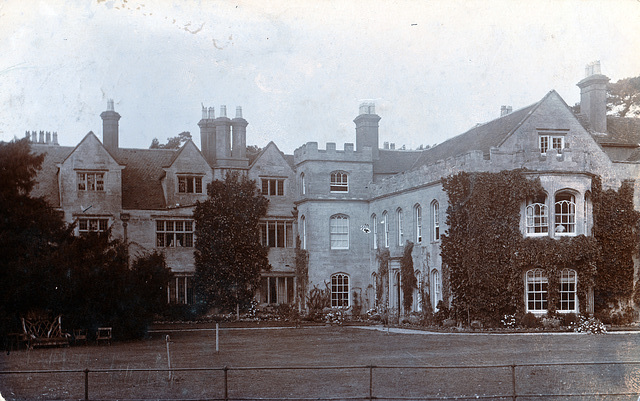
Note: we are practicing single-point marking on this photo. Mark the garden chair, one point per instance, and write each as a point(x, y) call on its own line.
point(79, 335)
point(103, 334)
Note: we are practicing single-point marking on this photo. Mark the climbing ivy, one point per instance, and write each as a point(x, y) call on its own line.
point(382, 277)
point(408, 277)
point(615, 226)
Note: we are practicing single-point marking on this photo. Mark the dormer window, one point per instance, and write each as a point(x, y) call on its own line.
point(551, 142)
point(339, 182)
point(90, 181)
point(273, 187)
point(189, 184)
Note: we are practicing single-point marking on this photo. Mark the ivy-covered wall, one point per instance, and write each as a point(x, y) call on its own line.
point(487, 256)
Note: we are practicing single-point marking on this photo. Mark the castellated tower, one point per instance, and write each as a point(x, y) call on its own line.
point(224, 141)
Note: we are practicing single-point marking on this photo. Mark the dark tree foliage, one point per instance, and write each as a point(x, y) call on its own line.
point(172, 143)
point(382, 277)
point(302, 273)
point(408, 277)
point(252, 152)
point(483, 219)
point(45, 268)
point(615, 226)
point(624, 97)
point(229, 256)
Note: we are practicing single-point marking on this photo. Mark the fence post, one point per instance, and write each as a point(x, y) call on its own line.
point(226, 388)
point(371, 382)
point(513, 382)
point(86, 384)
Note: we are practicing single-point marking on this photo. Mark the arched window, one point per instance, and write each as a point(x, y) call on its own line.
point(537, 216)
point(339, 290)
point(339, 231)
point(436, 289)
point(417, 214)
point(400, 229)
point(374, 226)
point(536, 291)
point(587, 213)
point(339, 182)
point(565, 214)
point(435, 221)
point(385, 223)
point(303, 185)
point(303, 232)
point(568, 283)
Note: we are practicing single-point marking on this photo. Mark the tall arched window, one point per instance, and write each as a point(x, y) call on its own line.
point(536, 289)
point(435, 221)
point(374, 227)
point(568, 283)
point(339, 182)
point(339, 290)
point(303, 232)
point(339, 231)
point(400, 228)
point(303, 184)
point(417, 213)
point(537, 216)
point(385, 224)
point(587, 213)
point(565, 214)
point(436, 289)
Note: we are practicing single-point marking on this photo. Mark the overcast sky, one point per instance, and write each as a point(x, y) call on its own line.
point(299, 69)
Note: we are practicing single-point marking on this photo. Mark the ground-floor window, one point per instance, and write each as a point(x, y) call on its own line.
point(339, 290)
point(436, 289)
point(276, 290)
point(180, 290)
point(536, 287)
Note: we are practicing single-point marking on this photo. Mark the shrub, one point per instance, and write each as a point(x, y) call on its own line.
point(509, 321)
point(569, 319)
point(590, 325)
point(530, 321)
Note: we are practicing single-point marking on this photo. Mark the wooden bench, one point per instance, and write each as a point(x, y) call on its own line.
point(42, 332)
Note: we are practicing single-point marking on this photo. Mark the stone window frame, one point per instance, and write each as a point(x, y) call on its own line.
point(272, 186)
point(339, 232)
point(537, 217)
point(275, 233)
point(92, 224)
point(417, 215)
point(568, 301)
point(536, 291)
point(385, 228)
point(339, 182)
point(436, 289)
point(340, 290)
point(175, 233)
point(435, 221)
point(189, 184)
point(565, 214)
point(374, 228)
point(399, 226)
point(90, 181)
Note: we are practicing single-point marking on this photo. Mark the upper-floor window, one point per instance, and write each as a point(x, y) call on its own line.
point(385, 224)
point(565, 214)
point(90, 181)
point(339, 182)
point(92, 225)
point(551, 142)
point(276, 234)
point(537, 215)
point(399, 214)
point(435, 220)
point(273, 186)
point(303, 185)
point(189, 184)
point(374, 225)
point(339, 232)
point(417, 212)
point(174, 233)
point(303, 229)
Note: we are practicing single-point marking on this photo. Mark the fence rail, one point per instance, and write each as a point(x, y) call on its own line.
point(513, 394)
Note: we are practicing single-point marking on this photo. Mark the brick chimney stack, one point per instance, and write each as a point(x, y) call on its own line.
point(367, 129)
point(593, 97)
point(110, 126)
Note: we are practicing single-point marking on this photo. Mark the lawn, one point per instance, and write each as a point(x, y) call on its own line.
point(320, 346)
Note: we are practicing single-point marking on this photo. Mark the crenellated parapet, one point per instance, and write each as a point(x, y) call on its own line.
point(310, 152)
point(569, 161)
point(42, 137)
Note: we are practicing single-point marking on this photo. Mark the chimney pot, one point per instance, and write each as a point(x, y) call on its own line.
point(386, 145)
point(223, 111)
point(48, 138)
point(212, 113)
point(41, 138)
point(110, 106)
point(239, 111)
point(34, 137)
point(55, 138)
point(392, 146)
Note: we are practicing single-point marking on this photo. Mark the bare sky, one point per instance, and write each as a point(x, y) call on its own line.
point(300, 68)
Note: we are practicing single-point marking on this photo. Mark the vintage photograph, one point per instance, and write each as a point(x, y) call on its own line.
point(319, 200)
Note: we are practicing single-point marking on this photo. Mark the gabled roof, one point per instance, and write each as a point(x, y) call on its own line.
point(395, 161)
point(287, 158)
point(482, 137)
point(47, 176)
point(141, 178)
point(621, 142)
point(91, 135)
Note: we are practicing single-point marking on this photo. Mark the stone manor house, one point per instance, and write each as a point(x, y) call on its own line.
point(347, 203)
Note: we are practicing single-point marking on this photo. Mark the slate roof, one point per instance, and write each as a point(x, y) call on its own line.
point(141, 178)
point(621, 142)
point(482, 137)
point(47, 177)
point(395, 161)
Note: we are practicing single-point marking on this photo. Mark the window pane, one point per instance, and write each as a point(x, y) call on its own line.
point(199, 185)
point(280, 187)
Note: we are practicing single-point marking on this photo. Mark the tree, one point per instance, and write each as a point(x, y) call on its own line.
point(229, 256)
point(623, 98)
point(172, 143)
point(252, 152)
